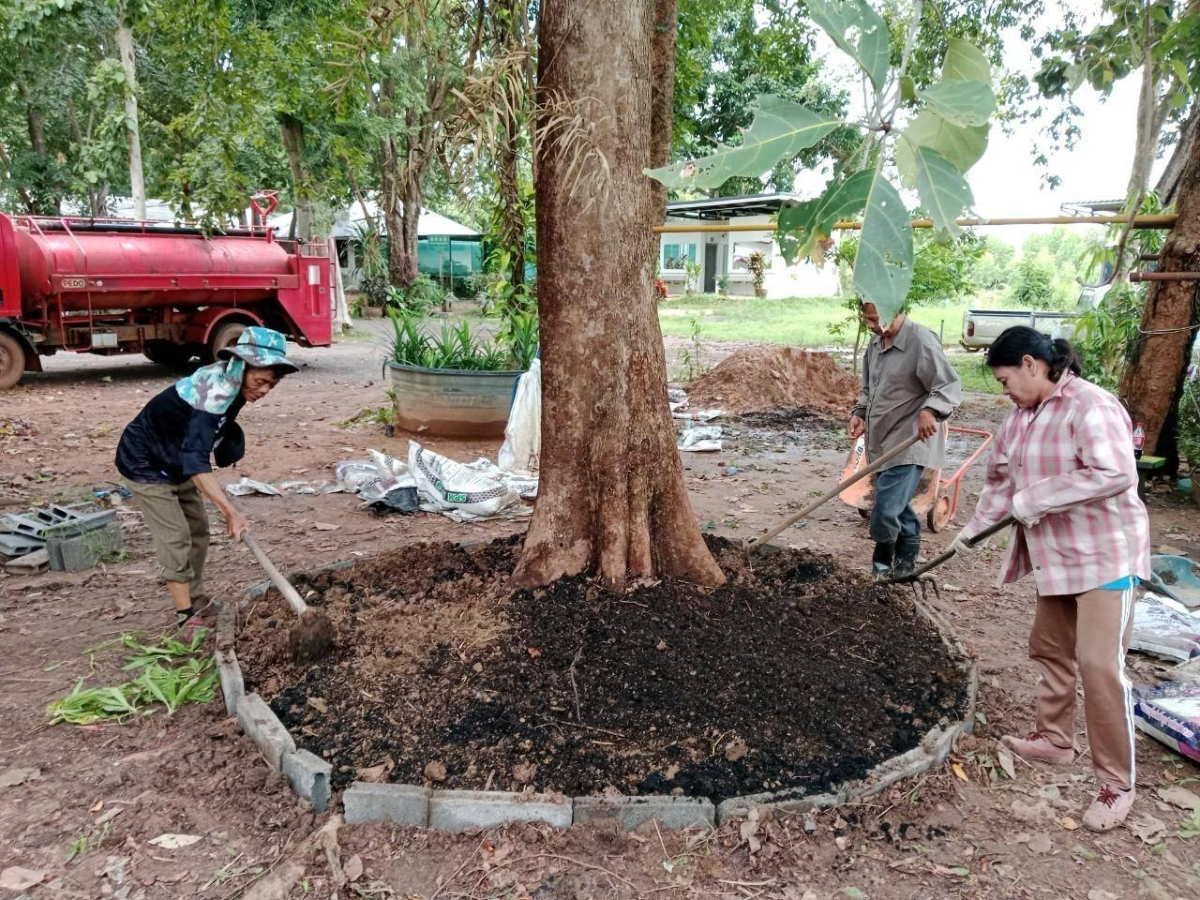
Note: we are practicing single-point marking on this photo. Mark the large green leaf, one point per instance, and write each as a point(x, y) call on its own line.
point(780, 130)
point(961, 102)
point(803, 227)
point(942, 189)
point(965, 61)
point(859, 31)
point(963, 147)
point(883, 266)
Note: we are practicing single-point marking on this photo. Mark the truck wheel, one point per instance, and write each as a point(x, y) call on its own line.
point(168, 353)
point(12, 361)
point(225, 336)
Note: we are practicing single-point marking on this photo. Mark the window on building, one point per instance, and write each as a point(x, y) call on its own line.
point(676, 256)
point(743, 249)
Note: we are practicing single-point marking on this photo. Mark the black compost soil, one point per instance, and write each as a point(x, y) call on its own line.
point(795, 674)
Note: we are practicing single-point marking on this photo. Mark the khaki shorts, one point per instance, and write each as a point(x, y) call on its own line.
point(178, 524)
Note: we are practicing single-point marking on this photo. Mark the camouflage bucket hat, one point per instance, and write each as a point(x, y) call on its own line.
point(261, 348)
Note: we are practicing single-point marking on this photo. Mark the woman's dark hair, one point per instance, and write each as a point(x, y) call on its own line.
point(1015, 343)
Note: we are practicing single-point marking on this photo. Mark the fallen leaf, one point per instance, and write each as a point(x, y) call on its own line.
point(325, 526)
point(853, 893)
point(1007, 763)
point(1069, 823)
point(956, 871)
point(376, 774)
point(735, 750)
point(1181, 797)
point(524, 773)
point(354, 868)
point(1149, 830)
point(18, 878)
point(175, 841)
point(1100, 894)
point(957, 769)
point(318, 704)
point(435, 770)
point(13, 777)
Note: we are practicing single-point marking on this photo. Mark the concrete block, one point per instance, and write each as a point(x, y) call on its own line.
point(309, 776)
point(267, 732)
point(83, 551)
point(403, 804)
point(669, 812)
point(459, 810)
point(233, 686)
point(30, 563)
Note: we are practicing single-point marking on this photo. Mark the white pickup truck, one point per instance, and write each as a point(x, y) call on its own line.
point(982, 326)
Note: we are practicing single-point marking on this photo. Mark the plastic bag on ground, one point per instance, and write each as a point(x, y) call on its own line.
point(700, 438)
point(522, 445)
point(450, 487)
point(525, 485)
point(1163, 627)
point(373, 479)
point(1170, 713)
point(248, 486)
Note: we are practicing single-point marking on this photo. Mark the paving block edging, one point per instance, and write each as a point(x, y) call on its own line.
point(456, 811)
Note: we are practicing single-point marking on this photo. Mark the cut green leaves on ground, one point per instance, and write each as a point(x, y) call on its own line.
point(172, 673)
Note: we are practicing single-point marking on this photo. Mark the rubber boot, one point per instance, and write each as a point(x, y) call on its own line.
point(908, 548)
point(881, 563)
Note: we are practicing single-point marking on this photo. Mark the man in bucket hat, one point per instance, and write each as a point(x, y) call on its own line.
point(166, 455)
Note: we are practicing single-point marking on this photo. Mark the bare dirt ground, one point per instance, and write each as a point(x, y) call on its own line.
point(81, 804)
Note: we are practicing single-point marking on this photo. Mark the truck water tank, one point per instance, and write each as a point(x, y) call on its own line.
point(134, 268)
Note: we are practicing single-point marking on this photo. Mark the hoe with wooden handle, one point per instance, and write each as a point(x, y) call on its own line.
point(311, 638)
point(755, 544)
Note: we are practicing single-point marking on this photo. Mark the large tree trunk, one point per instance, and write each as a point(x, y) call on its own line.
point(137, 180)
point(612, 499)
point(402, 193)
point(1153, 381)
point(291, 130)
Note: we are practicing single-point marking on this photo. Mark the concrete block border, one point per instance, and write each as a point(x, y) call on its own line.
point(458, 811)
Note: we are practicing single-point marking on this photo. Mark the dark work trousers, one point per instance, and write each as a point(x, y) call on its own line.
point(893, 514)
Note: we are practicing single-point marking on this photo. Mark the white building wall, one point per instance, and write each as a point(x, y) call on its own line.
point(801, 280)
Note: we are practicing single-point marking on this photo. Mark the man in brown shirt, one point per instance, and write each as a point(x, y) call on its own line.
point(908, 386)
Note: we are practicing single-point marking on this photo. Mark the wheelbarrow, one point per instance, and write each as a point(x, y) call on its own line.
point(936, 498)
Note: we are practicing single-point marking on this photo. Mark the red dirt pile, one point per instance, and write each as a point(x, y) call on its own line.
point(763, 378)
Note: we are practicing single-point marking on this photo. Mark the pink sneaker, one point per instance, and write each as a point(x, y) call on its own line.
point(1036, 747)
point(1109, 809)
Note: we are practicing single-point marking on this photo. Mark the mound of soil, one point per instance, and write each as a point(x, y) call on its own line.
point(770, 378)
point(795, 674)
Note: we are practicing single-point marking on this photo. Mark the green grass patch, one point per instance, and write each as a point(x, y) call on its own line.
point(799, 321)
point(170, 674)
point(976, 376)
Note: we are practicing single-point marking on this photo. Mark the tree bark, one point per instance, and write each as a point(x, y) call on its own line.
point(1153, 381)
point(1168, 183)
point(137, 179)
point(612, 499)
point(291, 130)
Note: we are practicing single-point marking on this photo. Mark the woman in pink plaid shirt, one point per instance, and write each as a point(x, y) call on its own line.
point(1063, 467)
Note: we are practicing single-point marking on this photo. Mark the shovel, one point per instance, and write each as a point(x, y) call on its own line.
point(933, 564)
point(311, 638)
point(754, 545)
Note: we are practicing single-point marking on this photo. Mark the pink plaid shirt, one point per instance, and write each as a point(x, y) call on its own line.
point(1069, 462)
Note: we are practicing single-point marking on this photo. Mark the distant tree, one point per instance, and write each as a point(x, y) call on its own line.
point(994, 268)
point(730, 53)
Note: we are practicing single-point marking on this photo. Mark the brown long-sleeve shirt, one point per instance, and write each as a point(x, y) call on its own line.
point(898, 382)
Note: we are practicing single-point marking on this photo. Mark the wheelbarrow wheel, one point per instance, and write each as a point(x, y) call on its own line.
point(939, 515)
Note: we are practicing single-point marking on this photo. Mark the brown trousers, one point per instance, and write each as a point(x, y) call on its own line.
point(178, 524)
point(1089, 633)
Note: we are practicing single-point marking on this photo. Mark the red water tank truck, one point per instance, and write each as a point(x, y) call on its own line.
point(110, 286)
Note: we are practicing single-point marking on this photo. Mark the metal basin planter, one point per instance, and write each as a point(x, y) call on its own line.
point(452, 402)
